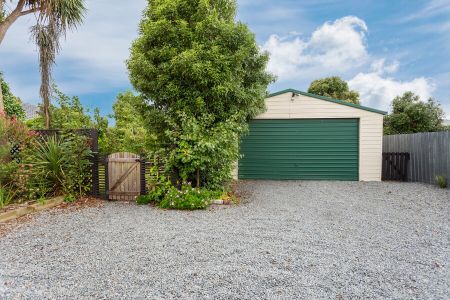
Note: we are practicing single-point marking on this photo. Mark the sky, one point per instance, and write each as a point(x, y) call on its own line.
point(381, 47)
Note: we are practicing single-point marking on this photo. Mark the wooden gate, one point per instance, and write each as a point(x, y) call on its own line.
point(395, 166)
point(124, 176)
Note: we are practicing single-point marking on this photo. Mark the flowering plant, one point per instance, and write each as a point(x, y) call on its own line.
point(187, 198)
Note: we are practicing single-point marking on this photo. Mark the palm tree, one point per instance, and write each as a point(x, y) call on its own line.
point(54, 18)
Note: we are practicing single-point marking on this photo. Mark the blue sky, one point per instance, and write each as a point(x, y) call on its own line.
point(382, 48)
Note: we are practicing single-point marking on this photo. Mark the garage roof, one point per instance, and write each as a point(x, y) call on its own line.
point(329, 100)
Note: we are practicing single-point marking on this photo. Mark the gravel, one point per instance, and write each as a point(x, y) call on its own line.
point(310, 240)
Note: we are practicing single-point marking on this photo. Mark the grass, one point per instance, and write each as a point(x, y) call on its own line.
point(6, 197)
point(441, 182)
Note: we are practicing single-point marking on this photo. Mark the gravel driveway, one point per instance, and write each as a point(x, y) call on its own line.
point(310, 240)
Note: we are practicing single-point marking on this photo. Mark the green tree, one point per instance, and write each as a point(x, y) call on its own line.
point(129, 132)
point(410, 115)
point(12, 104)
point(334, 87)
point(53, 19)
point(69, 113)
point(198, 71)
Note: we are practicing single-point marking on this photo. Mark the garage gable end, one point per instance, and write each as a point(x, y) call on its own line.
point(299, 107)
point(295, 93)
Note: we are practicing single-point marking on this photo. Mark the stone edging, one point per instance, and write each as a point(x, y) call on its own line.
point(14, 214)
point(221, 202)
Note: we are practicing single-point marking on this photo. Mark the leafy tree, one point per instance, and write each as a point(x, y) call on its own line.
point(201, 76)
point(68, 114)
point(12, 104)
point(129, 133)
point(334, 87)
point(410, 115)
point(53, 19)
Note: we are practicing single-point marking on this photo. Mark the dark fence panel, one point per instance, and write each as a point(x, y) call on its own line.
point(144, 171)
point(429, 154)
point(395, 166)
point(103, 178)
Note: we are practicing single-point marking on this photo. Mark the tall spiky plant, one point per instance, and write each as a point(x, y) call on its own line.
point(54, 18)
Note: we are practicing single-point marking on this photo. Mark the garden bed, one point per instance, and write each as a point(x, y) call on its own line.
point(18, 210)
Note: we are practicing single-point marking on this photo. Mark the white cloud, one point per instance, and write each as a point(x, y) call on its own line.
point(431, 9)
point(336, 47)
point(339, 48)
point(378, 91)
point(379, 66)
point(92, 58)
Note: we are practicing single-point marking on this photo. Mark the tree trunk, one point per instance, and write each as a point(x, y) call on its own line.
point(15, 14)
point(4, 26)
point(47, 116)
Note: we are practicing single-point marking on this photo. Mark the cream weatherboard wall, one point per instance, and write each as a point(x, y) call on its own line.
point(291, 105)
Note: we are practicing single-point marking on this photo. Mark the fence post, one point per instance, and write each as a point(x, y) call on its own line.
point(106, 179)
point(95, 189)
point(143, 179)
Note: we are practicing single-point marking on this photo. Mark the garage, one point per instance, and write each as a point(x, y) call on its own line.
point(302, 136)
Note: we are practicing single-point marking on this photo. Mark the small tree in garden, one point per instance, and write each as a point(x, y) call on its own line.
point(334, 87)
point(201, 76)
point(129, 134)
point(410, 115)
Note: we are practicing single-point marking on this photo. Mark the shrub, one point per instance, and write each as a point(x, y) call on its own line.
point(58, 165)
point(188, 198)
point(158, 185)
point(143, 200)
point(441, 181)
point(78, 175)
point(153, 196)
point(13, 135)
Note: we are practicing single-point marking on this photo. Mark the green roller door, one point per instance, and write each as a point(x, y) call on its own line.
point(307, 149)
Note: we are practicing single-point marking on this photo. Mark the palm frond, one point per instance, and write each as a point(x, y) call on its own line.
point(66, 14)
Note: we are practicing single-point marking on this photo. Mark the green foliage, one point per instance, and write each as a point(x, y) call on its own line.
point(154, 196)
point(441, 181)
point(334, 87)
point(77, 169)
point(13, 104)
point(201, 76)
point(6, 196)
point(187, 198)
point(69, 198)
point(158, 185)
point(70, 114)
point(58, 166)
point(411, 115)
point(211, 152)
point(129, 133)
point(144, 199)
point(12, 133)
point(43, 167)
